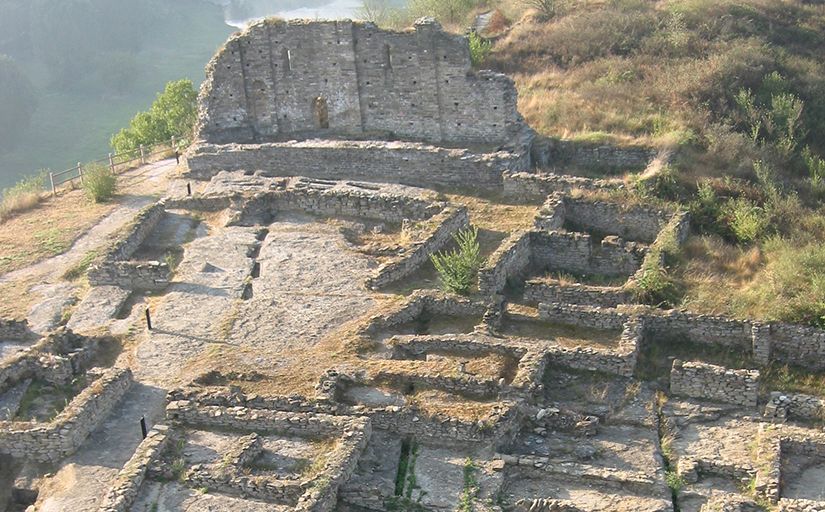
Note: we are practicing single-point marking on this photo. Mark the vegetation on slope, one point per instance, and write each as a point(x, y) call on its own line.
point(733, 89)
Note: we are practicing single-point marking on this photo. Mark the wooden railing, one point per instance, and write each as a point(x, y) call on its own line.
point(117, 162)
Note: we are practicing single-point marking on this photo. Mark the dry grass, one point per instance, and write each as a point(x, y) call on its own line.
point(48, 230)
point(715, 273)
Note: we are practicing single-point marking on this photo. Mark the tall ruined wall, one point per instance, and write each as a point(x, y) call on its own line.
point(279, 78)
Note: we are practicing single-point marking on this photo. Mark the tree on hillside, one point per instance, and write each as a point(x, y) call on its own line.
point(17, 103)
point(173, 113)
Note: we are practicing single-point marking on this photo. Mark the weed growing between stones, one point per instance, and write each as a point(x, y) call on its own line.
point(470, 491)
point(457, 269)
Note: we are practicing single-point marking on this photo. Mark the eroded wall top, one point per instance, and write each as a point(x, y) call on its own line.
point(280, 79)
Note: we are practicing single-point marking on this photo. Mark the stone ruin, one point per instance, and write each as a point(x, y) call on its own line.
point(548, 388)
point(329, 97)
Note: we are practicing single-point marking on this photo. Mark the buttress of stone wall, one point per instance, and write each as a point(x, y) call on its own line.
point(347, 78)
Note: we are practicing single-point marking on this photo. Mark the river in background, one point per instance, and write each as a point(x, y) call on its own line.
point(75, 124)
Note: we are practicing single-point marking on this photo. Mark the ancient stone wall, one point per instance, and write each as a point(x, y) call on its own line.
point(551, 153)
point(335, 199)
point(148, 275)
point(797, 344)
point(543, 290)
point(50, 442)
point(537, 186)
point(783, 406)
point(583, 316)
point(280, 78)
point(124, 490)
point(508, 262)
point(639, 224)
point(674, 325)
point(577, 253)
point(390, 162)
point(446, 225)
point(706, 381)
point(130, 238)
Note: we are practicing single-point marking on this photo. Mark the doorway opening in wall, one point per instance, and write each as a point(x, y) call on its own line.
point(321, 112)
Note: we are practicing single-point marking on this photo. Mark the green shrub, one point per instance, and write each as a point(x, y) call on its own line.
point(22, 196)
point(99, 184)
point(479, 49)
point(747, 221)
point(457, 269)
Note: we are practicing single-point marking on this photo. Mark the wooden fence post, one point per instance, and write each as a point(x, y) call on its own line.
point(51, 180)
point(112, 163)
point(80, 172)
point(142, 155)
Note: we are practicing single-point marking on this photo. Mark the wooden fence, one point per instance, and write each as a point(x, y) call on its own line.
point(116, 162)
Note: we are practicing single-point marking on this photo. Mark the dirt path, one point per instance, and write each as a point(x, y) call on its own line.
point(42, 285)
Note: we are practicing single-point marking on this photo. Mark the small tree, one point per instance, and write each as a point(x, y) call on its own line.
point(480, 48)
point(457, 269)
point(173, 113)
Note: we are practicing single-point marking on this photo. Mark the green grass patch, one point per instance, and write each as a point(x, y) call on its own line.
point(81, 267)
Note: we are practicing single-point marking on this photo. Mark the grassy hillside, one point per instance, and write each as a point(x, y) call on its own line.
point(733, 89)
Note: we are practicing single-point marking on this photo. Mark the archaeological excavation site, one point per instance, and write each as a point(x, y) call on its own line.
point(274, 331)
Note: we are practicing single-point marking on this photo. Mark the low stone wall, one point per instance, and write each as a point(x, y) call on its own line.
point(148, 275)
point(124, 490)
point(637, 223)
point(57, 358)
point(576, 253)
point(583, 316)
point(130, 238)
point(797, 344)
point(14, 329)
point(532, 186)
point(423, 301)
point(59, 438)
point(500, 424)
point(783, 406)
point(446, 225)
point(620, 361)
point(697, 328)
point(544, 290)
point(394, 162)
point(706, 381)
point(551, 153)
point(336, 201)
point(508, 262)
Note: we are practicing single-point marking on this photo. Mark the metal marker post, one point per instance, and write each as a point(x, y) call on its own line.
point(188, 189)
point(143, 426)
point(148, 320)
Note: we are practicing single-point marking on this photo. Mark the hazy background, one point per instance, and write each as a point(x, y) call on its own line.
point(73, 72)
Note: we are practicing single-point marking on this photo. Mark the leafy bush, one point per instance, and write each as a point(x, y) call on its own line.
point(747, 221)
point(479, 49)
point(457, 268)
point(173, 113)
point(99, 184)
point(22, 196)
